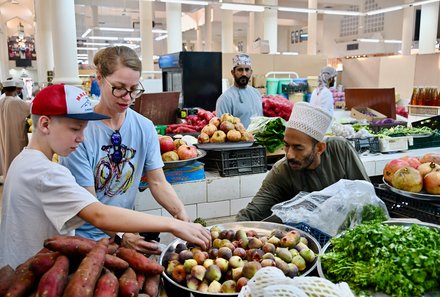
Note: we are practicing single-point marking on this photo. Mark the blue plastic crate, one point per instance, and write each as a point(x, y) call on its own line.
point(320, 236)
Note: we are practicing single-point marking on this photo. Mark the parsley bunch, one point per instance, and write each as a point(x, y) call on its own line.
point(393, 259)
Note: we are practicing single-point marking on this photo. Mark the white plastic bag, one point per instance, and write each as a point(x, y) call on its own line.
point(338, 207)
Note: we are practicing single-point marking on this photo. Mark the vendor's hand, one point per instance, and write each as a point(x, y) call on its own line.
point(137, 242)
point(192, 232)
point(183, 216)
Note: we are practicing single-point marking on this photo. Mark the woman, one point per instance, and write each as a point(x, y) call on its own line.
point(115, 152)
point(322, 96)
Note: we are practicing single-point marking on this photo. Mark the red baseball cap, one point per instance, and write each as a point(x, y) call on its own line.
point(66, 101)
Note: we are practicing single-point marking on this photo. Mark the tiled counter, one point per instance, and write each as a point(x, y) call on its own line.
point(217, 196)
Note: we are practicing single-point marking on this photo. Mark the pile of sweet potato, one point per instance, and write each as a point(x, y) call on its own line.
point(73, 266)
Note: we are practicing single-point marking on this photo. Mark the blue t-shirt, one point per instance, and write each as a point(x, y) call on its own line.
point(115, 184)
point(94, 88)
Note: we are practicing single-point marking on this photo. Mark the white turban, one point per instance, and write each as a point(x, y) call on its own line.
point(309, 119)
point(241, 59)
point(326, 74)
point(9, 83)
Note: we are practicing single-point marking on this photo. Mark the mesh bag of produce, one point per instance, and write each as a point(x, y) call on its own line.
point(265, 277)
point(283, 291)
point(320, 287)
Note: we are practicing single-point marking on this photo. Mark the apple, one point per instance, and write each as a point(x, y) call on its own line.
point(186, 152)
point(226, 126)
point(166, 144)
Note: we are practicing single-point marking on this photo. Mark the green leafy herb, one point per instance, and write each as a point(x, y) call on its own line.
point(269, 132)
point(200, 221)
point(393, 259)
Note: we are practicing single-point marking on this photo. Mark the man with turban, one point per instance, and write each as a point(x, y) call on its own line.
point(241, 100)
point(321, 96)
point(312, 163)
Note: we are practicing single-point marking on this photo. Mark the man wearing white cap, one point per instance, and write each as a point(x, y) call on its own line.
point(312, 163)
point(19, 88)
point(321, 96)
point(241, 100)
point(13, 134)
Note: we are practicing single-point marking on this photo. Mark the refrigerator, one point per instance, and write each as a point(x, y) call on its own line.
point(196, 75)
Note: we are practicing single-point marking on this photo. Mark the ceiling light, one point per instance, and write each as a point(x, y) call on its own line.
point(424, 2)
point(103, 38)
point(86, 33)
point(159, 31)
point(161, 37)
point(383, 10)
point(242, 7)
point(340, 12)
point(290, 53)
point(94, 43)
point(392, 41)
point(295, 9)
point(87, 48)
point(191, 2)
point(116, 29)
point(132, 38)
point(368, 40)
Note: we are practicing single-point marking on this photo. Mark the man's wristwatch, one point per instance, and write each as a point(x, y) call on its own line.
point(118, 238)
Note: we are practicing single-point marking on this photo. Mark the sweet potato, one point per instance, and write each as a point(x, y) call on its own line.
point(107, 285)
point(112, 247)
point(23, 281)
point(6, 276)
point(139, 262)
point(114, 263)
point(128, 285)
point(52, 283)
point(151, 285)
point(83, 281)
point(70, 245)
point(140, 276)
point(42, 262)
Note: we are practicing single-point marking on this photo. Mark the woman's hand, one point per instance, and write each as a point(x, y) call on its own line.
point(137, 242)
point(192, 232)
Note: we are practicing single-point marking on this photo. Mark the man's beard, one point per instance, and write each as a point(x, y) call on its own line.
point(306, 162)
point(241, 81)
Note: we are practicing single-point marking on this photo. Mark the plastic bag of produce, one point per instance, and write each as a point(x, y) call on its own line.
point(334, 209)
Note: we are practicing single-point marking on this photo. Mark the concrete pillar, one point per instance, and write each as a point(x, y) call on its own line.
point(227, 31)
point(199, 39)
point(271, 28)
point(94, 23)
point(208, 28)
point(64, 41)
point(174, 27)
point(312, 28)
point(251, 33)
point(407, 29)
point(146, 33)
point(4, 59)
point(428, 28)
point(43, 39)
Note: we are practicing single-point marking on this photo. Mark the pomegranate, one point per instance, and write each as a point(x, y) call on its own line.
point(428, 167)
point(407, 179)
point(430, 157)
point(431, 182)
point(186, 152)
point(166, 144)
point(413, 161)
point(391, 167)
point(233, 135)
point(209, 129)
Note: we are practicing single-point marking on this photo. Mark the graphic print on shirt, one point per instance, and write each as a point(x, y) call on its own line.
point(111, 177)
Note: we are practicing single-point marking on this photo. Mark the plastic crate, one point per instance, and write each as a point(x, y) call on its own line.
point(232, 162)
point(320, 236)
point(361, 145)
point(426, 142)
point(400, 206)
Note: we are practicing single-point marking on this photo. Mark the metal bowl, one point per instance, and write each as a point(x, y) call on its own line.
point(262, 228)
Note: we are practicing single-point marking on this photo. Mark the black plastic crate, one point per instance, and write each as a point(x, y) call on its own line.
point(320, 236)
point(361, 145)
point(232, 162)
point(400, 206)
point(426, 142)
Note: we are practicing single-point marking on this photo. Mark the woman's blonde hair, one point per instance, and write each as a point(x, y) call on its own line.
point(108, 59)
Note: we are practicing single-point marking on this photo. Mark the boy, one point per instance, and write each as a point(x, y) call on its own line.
point(42, 199)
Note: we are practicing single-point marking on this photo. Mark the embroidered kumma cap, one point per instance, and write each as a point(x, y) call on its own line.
point(241, 59)
point(309, 119)
point(66, 101)
point(19, 84)
point(9, 83)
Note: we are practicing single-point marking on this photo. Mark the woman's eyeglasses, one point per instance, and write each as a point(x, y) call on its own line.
point(116, 141)
point(121, 92)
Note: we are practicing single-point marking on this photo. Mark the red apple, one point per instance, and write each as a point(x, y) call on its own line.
point(166, 144)
point(186, 152)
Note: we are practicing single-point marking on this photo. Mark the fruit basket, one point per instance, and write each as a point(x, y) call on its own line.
point(181, 163)
point(173, 288)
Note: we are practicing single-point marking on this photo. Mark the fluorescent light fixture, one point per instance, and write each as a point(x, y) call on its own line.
point(383, 10)
point(295, 9)
point(159, 31)
point(161, 37)
point(95, 43)
point(242, 7)
point(86, 33)
point(132, 38)
point(115, 29)
point(368, 40)
point(424, 2)
point(340, 12)
point(191, 2)
point(392, 41)
point(87, 48)
point(103, 38)
point(82, 56)
point(290, 53)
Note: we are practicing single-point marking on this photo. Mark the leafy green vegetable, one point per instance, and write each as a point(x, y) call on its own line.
point(404, 131)
point(268, 132)
point(200, 221)
point(396, 260)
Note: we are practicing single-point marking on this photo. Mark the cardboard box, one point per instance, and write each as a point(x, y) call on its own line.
point(365, 113)
point(192, 172)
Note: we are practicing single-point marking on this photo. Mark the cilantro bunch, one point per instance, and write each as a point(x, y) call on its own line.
point(393, 259)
